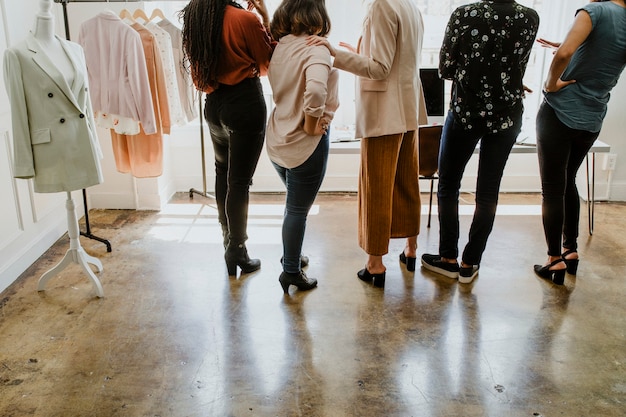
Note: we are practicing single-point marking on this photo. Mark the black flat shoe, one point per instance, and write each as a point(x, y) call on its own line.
point(409, 261)
point(300, 280)
point(572, 264)
point(557, 276)
point(365, 275)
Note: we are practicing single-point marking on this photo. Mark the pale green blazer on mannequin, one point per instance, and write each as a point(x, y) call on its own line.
point(54, 135)
point(388, 93)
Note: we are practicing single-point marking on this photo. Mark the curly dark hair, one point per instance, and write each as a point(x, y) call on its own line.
point(202, 39)
point(300, 17)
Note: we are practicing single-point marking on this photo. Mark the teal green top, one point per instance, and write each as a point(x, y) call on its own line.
point(596, 66)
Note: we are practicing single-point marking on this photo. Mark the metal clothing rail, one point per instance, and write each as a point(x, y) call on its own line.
point(87, 233)
point(192, 191)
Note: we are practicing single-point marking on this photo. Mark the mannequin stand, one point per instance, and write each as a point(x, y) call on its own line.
point(75, 254)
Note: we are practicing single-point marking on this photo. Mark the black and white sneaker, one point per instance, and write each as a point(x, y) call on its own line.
point(467, 274)
point(435, 264)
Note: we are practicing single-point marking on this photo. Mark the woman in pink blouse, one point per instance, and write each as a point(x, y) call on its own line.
point(305, 91)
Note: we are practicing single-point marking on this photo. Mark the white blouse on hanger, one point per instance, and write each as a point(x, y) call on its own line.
point(188, 93)
point(164, 43)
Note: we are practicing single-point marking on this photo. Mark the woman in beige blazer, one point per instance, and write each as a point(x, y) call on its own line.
point(387, 106)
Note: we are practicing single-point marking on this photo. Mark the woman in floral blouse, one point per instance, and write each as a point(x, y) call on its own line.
point(485, 51)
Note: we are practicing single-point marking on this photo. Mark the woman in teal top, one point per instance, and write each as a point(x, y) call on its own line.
point(586, 66)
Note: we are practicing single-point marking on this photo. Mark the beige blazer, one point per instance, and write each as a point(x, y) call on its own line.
point(54, 134)
point(387, 66)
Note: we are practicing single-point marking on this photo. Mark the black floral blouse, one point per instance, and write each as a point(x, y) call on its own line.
point(485, 51)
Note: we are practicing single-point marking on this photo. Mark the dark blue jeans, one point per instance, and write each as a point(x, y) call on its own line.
point(303, 183)
point(561, 151)
point(236, 116)
point(457, 147)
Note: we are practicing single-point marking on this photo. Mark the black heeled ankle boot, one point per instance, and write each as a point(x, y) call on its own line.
point(367, 276)
point(299, 279)
point(557, 276)
point(408, 261)
point(572, 264)
point(237, 256)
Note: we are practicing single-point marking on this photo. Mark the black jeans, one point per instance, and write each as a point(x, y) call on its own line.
point(236, 116)
point(561, 151)
point(457, 147)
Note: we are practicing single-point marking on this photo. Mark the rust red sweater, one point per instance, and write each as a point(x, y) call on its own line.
point(246, 50)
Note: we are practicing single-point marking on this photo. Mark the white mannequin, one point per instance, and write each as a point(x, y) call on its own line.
point(44, 33)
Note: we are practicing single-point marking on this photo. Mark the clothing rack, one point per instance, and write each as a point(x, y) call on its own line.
point(87, 233)
point(192, 191)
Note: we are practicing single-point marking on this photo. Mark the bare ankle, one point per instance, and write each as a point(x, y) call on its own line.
point(569, 253)
point(408, 251)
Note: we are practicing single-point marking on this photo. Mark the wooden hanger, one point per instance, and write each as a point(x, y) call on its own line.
point(157, 13)
point(139, 13)
point(125, 14)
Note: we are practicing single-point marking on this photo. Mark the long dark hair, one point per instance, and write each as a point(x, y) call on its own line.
point(202, 39)
point(300, 17)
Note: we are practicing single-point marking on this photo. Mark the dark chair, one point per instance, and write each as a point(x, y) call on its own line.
point(429, 138)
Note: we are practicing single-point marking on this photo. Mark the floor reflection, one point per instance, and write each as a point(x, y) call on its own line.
point(176, 336)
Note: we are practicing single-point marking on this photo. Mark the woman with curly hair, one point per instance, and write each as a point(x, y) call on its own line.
point(227, 49)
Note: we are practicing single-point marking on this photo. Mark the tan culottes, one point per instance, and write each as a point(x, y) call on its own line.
point(389, 197)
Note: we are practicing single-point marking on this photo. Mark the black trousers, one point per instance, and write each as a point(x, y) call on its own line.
point(561, 151)
point(236, 116)
point(457, 147)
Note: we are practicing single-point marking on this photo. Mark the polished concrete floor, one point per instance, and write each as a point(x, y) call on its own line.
point(175, 336)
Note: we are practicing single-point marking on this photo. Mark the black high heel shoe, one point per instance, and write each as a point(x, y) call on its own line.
point(409, 261)
point(237, 256)
point(299, 279)
point(365, 275)
point(557, 276)
point(572, 264)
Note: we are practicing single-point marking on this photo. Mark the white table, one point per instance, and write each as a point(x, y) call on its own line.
point(354, 147)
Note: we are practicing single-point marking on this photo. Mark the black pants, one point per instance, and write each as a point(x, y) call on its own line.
point(457, 147)
point(561, 151)
point(236, 116)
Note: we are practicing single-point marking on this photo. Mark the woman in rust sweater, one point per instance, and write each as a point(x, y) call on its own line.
point(228, 48)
